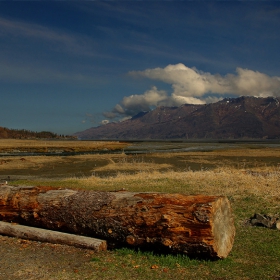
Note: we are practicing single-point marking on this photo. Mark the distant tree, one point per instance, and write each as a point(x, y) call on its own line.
point(3, 133)
point(26, 134)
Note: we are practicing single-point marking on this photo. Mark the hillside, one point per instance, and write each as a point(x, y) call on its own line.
point(231, 118)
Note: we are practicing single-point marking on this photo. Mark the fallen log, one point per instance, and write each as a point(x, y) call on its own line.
point(51, 236)
point(197, 225)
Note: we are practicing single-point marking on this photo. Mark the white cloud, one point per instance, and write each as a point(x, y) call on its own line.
point(179, 100)
point(196, 87)
point(254, 83)
point(131, 105)
point(149, 98)
point(119, 109)
point(104, 122)
point(190, 82)
point(110, 115)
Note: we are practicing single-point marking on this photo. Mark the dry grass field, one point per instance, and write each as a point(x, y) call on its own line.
point(45, 146)
point(249, 177)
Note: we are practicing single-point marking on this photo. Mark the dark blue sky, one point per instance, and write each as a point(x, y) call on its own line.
point(67, 66)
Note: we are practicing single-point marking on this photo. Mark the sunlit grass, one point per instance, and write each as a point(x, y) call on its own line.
point(261, 189)
point(41, 145)
point(255, 254)
point(124, 164)
point(220, 182)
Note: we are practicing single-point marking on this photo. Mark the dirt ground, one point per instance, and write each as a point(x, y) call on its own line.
point(30, 260)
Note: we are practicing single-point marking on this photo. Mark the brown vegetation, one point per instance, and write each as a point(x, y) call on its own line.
point(250, 178)
point(46, 146)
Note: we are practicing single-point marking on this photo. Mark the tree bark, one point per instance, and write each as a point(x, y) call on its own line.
point(196, 225)
point(50, 236)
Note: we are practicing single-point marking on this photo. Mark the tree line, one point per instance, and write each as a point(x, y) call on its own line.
point(6, 133)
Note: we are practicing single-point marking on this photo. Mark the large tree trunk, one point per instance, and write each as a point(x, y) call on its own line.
point(200, 226)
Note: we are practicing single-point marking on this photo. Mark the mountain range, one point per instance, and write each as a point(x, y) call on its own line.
point(231, 118)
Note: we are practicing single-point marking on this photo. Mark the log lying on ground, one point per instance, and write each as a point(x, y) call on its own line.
point(199, 226)
point(51, 236)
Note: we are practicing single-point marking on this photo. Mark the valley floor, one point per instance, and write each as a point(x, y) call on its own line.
point(248, 176)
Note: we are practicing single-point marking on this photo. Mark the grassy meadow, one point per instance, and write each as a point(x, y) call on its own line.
point(45, 146)
point(249, 177)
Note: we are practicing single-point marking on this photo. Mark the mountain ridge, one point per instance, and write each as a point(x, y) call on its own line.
point(231, 118)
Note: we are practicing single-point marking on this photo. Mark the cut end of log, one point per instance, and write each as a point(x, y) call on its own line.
point(223, 227)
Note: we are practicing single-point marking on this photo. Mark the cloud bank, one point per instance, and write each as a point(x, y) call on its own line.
point(191, 86)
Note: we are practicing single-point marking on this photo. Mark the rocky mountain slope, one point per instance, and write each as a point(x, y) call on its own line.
point(231, 118)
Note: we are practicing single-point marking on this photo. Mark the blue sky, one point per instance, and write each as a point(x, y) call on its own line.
point(68, 66)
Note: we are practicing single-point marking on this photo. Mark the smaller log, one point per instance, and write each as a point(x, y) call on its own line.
point(50, 236)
